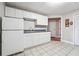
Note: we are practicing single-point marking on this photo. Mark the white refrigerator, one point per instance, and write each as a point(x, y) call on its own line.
point(12, 35)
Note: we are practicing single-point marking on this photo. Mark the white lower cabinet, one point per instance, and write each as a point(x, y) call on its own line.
point(33, 39)
point(44, 37)
point(16, 41)
point(12, 42)
point(27, 41)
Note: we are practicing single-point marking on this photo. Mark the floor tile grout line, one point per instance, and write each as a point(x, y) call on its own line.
point(49, 48)
point(70, 51)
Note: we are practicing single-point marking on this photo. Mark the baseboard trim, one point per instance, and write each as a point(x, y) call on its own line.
point(15, 53)
point(67, 42)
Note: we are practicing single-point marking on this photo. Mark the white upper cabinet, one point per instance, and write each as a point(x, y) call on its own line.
point(31, 25)
point(27, 14)
point(19, 13)
point(12, 12)
point(1, 9)
point(42, 20)
point(12, 23)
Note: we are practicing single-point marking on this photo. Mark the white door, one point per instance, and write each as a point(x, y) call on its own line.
point(77, 30)
point(12, 42)
point(52, 28)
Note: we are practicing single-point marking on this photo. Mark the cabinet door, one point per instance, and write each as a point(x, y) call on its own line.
point(12, 42)
point(26, 14)
point(1, 9)
point(29, 15)
point(12, 23)
point(11, 12)
point(30, 23)
point(45, 37)
point(35, 39)
point(27, 41)
point(42, 20)
point(19, 13)
point(42, 38)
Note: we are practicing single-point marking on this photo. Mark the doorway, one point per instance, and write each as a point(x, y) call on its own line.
point(54, 26)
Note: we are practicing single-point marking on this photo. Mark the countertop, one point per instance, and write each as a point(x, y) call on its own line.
point(34, 31)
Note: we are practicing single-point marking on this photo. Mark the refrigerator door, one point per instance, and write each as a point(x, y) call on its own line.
point(12, 23)
point(12, 42)
point(0, 37)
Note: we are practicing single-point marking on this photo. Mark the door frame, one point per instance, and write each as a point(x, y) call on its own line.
point(57, 20)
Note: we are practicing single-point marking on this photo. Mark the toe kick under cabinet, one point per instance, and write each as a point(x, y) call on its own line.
point(33, 39)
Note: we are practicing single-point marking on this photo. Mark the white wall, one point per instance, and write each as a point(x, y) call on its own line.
point(67, 33)
point(1, 9)
point(53, 16)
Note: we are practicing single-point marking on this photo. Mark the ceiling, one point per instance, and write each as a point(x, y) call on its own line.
point(46, 8)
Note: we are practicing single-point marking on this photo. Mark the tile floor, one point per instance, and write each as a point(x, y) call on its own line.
point(53, 48)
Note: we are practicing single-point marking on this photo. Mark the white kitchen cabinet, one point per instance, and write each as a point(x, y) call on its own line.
point(13, 12)
point(30, 23)
point(19, 13)
point(42, 20)
point(12, 42)
point(41, 38)
point(33, 39)
point(12, 23)
point(27, 41)
point(10, 12)
point(29, 15)
point(1, 9)
point(45, 20)
point(26, 14)
point(44, 37)
point(33, 15)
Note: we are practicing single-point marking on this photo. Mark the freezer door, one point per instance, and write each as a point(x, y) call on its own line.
point(12, 23)
point(12, 42)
